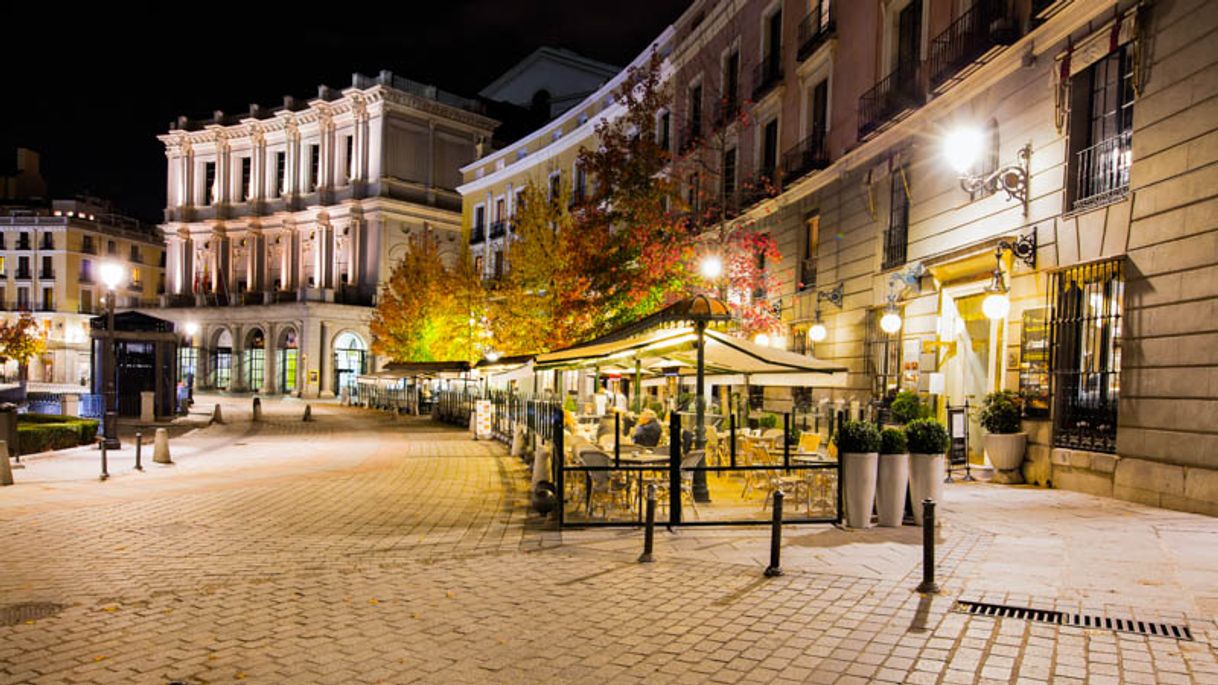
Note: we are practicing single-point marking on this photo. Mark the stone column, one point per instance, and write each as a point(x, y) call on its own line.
point(238, 383)
point(203, 362)
point(325, 364)
point(270, 365)
point(323, 257)
point(256, 256)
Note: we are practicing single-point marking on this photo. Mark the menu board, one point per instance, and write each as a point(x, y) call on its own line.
point(1034, 363)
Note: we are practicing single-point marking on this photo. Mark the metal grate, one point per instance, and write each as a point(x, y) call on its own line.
point(14, 614)
point(1076, 620)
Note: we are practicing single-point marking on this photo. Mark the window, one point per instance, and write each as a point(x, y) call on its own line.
point(23, 267)
point(86, 271)
point(664, 138)
point(246, 176)
point(498, 264)
point(695, 111)
point(210, 191)
point(135, 279)
point(48, 300)
point(729, 173)
point(1101, 131)
point(23, 298)
point(1087, 302)
point(731, 81)
point(281, 173)
point(769, 149)
point(807, 265)
point(135, 254)
point(897, 235)
point(314, 166)
point(111, 247)
point(883, 354)
point(87, 245)
point(2, 272)
point(48, 241)
point(48, 268)
point(759, 292)
point(479, 217)
point(818, 110)
point(555, 187)
point(695, 194)
point(23, 242)
point(500, 205)
point(518, 204)
point(581, 184)
point(86, 301)
point(350, 157)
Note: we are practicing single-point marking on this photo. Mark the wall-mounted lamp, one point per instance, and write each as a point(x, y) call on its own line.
point(997, 302)
point(818, 332)
point(964, 146)
point(891, 321)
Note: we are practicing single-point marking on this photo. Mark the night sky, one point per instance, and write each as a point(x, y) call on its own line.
point(90, 91)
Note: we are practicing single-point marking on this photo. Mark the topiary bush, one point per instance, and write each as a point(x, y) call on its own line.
point(859, 437)
point(926, 436)
point(42, 432)
point(892, 441)
point(767, 421)
point(1001, 411)
point(908, 406)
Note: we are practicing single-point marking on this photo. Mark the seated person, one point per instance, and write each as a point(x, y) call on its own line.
point(647, 432)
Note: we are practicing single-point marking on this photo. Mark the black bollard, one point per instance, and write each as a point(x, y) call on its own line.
point(105, 472)
point(928, 584)
point(139, 443)
point(775, 567)
point(649, 533)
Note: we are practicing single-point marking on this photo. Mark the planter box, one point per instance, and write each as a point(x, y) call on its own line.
point(859, 472)
point(926, 476)
point(890, 489)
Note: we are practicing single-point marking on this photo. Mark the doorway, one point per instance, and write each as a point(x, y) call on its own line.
point(971, 356)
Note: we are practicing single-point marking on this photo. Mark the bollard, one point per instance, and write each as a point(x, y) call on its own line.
point(928, 584)
point(775, 567)
point(649, 533)
point(6, 468)
point(139, 444)
point(105, 473)
point(160, 447)
point(257, 409)
point(216, 415)
point(308, 414)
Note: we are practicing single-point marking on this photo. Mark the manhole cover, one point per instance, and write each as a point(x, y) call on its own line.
point(13, 614)
point(1096, 621)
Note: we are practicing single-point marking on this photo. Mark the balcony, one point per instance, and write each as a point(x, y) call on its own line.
point(23, 245)
point(477, 234)
point(766, 75)
point(809, 154)
point(894, 95)
point(1103, 172)
point(727, 111)
point(498, 229)
point(135, 285)
point(20, 306)
point(985, 26)
point(86, 308)
point(691, 137)
point(88, 247)
point(85, 278)
point(47, 274)
point(23, 275)
point(748, 193)
point(46, 306)
point(815, 29)
point(47, 244)
point(807, 274)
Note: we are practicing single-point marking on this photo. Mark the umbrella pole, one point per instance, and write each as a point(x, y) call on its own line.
point(701, 493)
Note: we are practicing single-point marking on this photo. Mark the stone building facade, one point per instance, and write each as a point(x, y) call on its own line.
point(282, 223)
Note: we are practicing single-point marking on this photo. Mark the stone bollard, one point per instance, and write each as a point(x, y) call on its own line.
point(160, 449)
point(308, 414)
point(257, 411)
point(216, 415)
point(6, 468)
point(147, 406)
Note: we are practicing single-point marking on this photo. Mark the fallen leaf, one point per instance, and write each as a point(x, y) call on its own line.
point(99, 657)
point(450, 594)
point(374, 601)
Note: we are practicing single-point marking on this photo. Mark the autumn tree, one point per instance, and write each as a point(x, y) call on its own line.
point(20, 341)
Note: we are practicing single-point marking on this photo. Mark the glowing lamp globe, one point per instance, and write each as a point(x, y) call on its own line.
point(762, 339)
point(492, 356)
point(962, 147)
point(890, 322)
point(112, 274)
point(996, 306)
point(818, 332)
point(192, 328)
point(711, 267)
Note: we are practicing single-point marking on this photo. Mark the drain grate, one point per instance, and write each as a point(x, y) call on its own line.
point(14, 614)
point(1096, 621)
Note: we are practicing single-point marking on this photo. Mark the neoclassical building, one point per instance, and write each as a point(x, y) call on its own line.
point(281, 223)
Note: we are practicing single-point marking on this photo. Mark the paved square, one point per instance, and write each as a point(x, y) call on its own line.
point(358, 549)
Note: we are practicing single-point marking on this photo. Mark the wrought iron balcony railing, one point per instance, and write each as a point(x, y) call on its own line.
point(767, 75)
point(498, 228)
point(893, 95)
point(808, 155)
point(986, 25)
point(1103, 171)
point(726, 111)
point(477, 234)
point(815, 29)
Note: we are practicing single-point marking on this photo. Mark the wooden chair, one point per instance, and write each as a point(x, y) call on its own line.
point(809, 442)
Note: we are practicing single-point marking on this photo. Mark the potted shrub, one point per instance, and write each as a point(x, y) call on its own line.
point(858, 446)
point(893, 477)
point(907, 406)
point(1004, 441)
point(927, 441)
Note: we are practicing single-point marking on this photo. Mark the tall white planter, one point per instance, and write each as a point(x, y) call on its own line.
point(890, 489)
point(1006, 450)
point(925, 481)
point(859, 472)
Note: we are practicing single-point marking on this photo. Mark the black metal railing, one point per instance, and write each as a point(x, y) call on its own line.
point(24, 274)
point(46, 306)
point(815, 29)
point(893, 95)
point(85, 308)
point(726, 111)
point(1087, 304)
point(498, 228)
point(477, 234)
point(48, 243)
point(896, 240)
point(987, 24)
point(87, 247)
point(1103, 171)
point(23, 244)
point(808, 154)
point(766, 75)
point(85, 278)
point(46, 273)
point(807, 274)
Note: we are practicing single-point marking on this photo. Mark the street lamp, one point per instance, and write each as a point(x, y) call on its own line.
point(112, 273)
point(492, 356)
point(963, 147)
point(891, 321)
point(997, 303)
point(818, 332)
point(711, 267)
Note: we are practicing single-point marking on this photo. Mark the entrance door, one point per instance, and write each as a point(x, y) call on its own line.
point(349, 354)
point(972, 361)
point(288, 355)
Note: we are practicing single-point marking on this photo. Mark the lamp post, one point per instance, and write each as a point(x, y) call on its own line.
point(112, 274)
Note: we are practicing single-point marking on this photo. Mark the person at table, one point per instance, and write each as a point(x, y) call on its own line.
point(647, 432)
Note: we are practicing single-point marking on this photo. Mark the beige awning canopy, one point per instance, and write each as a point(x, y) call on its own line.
point(668, 350)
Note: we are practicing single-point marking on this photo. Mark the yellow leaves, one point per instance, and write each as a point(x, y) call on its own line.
point(110, 609)
point(450, 594)
point(240, 676)
point(100, 657)
point(374, 601)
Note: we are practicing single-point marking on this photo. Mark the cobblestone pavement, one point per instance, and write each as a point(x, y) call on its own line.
point(357, 549)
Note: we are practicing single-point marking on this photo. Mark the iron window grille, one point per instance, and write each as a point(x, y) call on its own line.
point(897, 236)
point(1101, 131)
point(1087, 302)
point(882, 361)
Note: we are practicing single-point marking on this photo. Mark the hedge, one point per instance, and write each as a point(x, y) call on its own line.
point(42, 432)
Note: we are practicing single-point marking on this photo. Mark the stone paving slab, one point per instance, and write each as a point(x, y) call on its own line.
point(362, 550)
